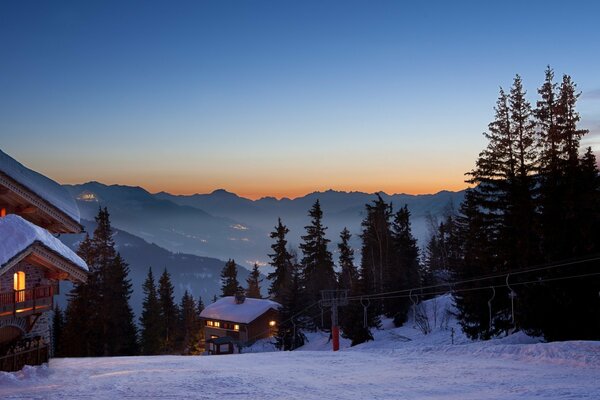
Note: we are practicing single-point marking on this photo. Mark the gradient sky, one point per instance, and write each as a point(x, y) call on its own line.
point(277, 98)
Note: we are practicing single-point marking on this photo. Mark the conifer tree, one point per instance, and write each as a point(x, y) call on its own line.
point(348, 272)
point(229, 283)
point(253, 283)
point(122, 338)
point(290, 334)
point(99, 320)
point(404, 273)
point(169, 313)
point(317, 262)
point(150, 320)
point(58, 323)
point(190, 324)
point(281, 262)
point(376, 250)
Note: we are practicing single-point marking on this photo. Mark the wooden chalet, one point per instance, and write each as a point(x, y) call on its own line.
point(33, 211)
point(235, 321)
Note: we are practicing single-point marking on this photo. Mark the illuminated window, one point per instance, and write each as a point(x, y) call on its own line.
point(209, 323)
point(217, 324)
point(272, 323)
point(2, 212)
point(236, 327)
point(19, 285)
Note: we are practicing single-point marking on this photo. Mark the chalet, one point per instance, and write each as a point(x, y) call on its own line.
point(34, 210)
point(235, 321)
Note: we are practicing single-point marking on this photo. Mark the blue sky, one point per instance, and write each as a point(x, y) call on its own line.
point(276, 98)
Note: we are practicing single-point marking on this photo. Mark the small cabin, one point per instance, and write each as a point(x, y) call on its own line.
point(235, 321)
point(34, 210)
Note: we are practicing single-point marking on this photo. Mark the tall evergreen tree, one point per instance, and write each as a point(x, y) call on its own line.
point(122, 338)
point(317, 263)
point(190, 324)
point(290, 334)
point(229, 283)
point(281, 261)
point(376, 250)
point(169, 313)
point(58, 323)
point(348, 272)
point(253, 283)
point(404, 272)
point(151, 319)
point(99, 320)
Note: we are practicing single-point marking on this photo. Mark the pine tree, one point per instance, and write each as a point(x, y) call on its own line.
point(404, 273)
point(190, 324)
point(229, 282)
point(317, 263)
point(376, 250)
point(290, 334)
point(253, 283)
point(281, 262)
point(348, 271)
point(122, 338)
point(58, 323)
point(99, 320)
point(169, 313)
point(150, 320)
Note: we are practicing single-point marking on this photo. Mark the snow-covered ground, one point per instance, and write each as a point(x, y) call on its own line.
point(401, 363)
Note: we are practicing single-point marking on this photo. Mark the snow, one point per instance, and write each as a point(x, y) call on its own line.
point(402, 363)
point(18, 234)
point(226, 309)
point(41, 185)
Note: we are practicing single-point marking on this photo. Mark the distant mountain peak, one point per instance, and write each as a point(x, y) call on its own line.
point(223, 192)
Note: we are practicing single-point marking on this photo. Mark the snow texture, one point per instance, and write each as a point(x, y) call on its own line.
point(226, 309)
point(401, 363)
point(41, 185)
point(18, 234)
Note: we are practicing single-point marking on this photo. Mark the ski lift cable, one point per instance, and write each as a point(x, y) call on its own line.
point(485, 277)
point(485, 287)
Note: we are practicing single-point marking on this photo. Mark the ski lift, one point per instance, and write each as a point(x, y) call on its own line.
point(414, 303)
point(322, 312)
point(365, 306)
point(490, 306)
point(511, 295)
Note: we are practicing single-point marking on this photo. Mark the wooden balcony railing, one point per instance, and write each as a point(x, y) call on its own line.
point(18, 303)
point(16, 361)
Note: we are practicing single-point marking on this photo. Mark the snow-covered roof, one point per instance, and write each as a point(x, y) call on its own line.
point(228, 310)
point(18, 235)
point(41, 185)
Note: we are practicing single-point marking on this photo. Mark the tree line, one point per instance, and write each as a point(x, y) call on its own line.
point(535, 201)
point(99, 321)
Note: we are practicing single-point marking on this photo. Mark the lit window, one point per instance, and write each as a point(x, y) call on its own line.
point(209, 323)
point(236, 327)
point(272, 323)
point(217, 324)
point(2, 212)
point(19, 286)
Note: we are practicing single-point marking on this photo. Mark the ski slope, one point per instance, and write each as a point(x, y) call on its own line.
point(402, 363)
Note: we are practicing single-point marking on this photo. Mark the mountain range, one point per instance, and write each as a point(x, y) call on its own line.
point(224, 225)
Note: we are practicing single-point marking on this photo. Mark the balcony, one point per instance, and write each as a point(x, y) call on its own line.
point(21, 303)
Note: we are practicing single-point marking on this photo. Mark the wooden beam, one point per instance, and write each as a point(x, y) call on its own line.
point(25, 209)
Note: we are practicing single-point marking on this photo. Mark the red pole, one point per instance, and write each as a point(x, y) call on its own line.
point(335, 333)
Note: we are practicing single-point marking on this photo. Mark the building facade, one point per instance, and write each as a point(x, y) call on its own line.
point(233, 322)
point(33, 211)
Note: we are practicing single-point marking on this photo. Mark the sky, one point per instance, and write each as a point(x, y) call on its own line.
point(277, 98)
